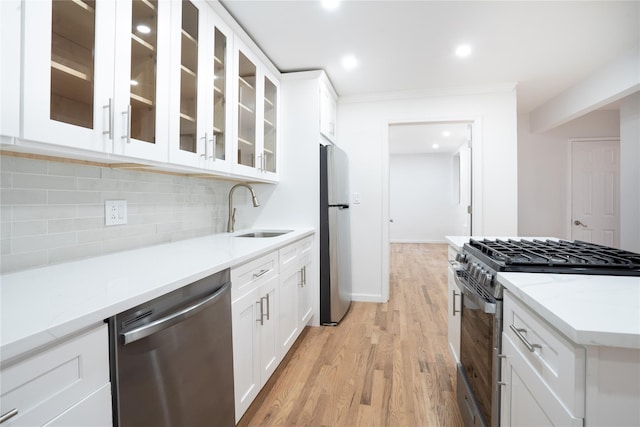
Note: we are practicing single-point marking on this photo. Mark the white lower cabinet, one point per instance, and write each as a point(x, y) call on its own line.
point(254, 303)
point(454, 308)
point(66, 385)
point(526, 399)
point(269, 300)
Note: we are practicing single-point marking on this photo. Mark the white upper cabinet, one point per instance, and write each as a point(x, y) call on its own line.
point(10, 68)
point(199, 122)
point(256, 116)
point(328, 109)
point(161, 81)
point(140, 107)
point(68, 72)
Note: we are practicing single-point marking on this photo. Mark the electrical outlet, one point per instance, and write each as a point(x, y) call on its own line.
point(115, 212)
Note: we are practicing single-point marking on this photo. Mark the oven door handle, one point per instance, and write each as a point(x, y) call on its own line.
point(472, 300)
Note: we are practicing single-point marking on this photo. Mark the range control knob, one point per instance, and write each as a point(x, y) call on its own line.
point(488, 277)
point(462, 258)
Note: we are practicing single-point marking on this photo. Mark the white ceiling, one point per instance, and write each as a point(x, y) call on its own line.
point(543, 46)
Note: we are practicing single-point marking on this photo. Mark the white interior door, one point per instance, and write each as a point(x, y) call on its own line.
point(595, 192)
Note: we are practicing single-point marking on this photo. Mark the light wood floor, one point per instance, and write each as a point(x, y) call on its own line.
point(384, 365)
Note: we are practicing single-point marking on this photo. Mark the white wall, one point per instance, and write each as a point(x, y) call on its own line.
point(630, 173)
point(543, 171)
point(362, 129)
point(423, 197)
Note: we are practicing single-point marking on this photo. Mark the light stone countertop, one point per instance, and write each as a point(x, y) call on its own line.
point(41, 305)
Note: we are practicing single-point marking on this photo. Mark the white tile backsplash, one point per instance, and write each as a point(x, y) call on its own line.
point(53, 211)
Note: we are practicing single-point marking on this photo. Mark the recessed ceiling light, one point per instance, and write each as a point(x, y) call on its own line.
point(330, 4)
point(143, 29)
point(446, 133)
point(435, 146)
point(463, 50)
point(349, 62)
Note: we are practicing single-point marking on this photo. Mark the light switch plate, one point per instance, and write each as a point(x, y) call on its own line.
point(115, 212)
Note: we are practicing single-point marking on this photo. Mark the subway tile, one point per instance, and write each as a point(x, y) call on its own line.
point(91, 184)
point(75, 252)
point(89, 236)
point(44, 182)
point(25, 213)
point(23, 197)
point(73, 197)
point(6, 213)
point(42, 242)
point(16, 262)
point(74, 169)
point(90, 211)
point(6, 180)
point(74, 224)
point(5, 246)
point(22, 165)
point(5, 230)
point(28, 228)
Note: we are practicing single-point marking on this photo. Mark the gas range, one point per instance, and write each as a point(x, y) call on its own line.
point(481, 260)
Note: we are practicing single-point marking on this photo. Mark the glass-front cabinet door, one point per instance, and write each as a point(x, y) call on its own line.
point(198, 135)
point(140, 107)
point(246, 111)
point(68, 72)
point(270, 134)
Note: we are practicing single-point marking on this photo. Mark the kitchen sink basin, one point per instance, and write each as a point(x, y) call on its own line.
point(265, 233)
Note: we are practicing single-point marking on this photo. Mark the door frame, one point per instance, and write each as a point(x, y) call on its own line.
point(569, 205)
point(476, 183)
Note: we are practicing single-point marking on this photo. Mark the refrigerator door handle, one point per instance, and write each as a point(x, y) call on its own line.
point(341, 206)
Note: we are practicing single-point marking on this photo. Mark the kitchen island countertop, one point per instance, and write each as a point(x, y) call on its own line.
point(41, 305)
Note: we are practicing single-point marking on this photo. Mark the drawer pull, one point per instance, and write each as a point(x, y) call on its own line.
point(260, 273)
point(8, 415)
point(518, 332)
point(453, 301)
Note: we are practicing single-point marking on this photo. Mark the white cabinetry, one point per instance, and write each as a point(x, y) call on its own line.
point(254, 308)
point(270, 307)
point(10, 69)
point(543, 372)
point(256, 116)
point(454, 307)
point(328, 109)
point(68, 72)
point(201, 74)
point(295, 301)
point(67, 384)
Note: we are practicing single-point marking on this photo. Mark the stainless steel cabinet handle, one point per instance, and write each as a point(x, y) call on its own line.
point(127, 136)
point(170, 320)
point(260, 273)
point(260, 162)
point(213, 146)
point(109, 108)
point(300, 278)
point(519, 332)
point(453, 298)
point(268, 307)
point(578, 222)
point(8, 415)
point(206, 147)
point(304, 275)
point(261, 317)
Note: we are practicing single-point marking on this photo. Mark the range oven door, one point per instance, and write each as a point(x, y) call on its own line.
point(478, 391)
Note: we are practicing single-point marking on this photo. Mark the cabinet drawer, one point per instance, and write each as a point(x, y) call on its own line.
point(291, 254)
point(44, 385)
point(559, 363)
point(245, 277)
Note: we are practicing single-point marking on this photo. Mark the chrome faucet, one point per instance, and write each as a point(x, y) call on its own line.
point(232, 210)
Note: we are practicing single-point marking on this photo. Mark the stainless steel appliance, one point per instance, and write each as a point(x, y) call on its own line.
point(335, 246)
point(172, 360)
point(478, 373)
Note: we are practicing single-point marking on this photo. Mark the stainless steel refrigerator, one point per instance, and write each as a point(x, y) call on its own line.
point(335, 244)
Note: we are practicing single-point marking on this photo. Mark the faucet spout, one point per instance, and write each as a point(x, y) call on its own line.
point(232, 217)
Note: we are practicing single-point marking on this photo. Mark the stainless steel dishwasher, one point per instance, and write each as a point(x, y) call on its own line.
point(172, 358)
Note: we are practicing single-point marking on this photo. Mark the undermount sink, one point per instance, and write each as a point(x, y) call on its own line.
point(266, 233)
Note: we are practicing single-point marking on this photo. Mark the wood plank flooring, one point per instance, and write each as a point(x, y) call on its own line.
point(384, 365)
